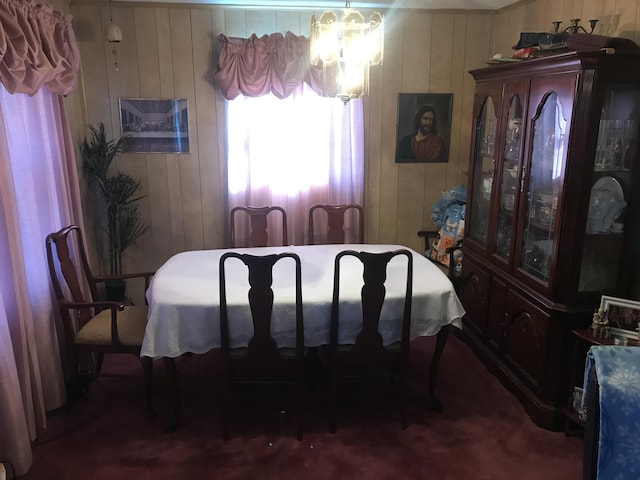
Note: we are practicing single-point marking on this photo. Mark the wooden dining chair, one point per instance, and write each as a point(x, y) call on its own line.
point(258, 216)
point(335, 220)
point(261, 361)
point(93, 326)
point(369, 356)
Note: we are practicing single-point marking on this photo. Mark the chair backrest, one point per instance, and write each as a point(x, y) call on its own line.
point(262, 350)
point(369, 343)
point(335, 220)
point(257, 226)
point(68, 265)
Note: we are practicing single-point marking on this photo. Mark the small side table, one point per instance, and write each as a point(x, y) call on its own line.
point(583, 340)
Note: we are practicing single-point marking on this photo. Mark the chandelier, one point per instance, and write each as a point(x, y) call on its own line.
point(346, 47)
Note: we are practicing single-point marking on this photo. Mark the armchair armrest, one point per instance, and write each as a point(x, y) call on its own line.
point(126, 276)
point(429, 236)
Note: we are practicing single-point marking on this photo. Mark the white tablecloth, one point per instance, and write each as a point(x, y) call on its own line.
point(184, 299)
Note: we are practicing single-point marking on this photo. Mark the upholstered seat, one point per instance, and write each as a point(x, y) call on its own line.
point(131, 321)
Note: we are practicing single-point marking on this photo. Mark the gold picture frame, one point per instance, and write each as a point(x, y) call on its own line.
point(623, 316)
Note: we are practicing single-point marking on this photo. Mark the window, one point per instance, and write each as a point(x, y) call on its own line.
point(295, 152)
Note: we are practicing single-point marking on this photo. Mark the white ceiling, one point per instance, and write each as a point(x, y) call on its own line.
point(381, 4)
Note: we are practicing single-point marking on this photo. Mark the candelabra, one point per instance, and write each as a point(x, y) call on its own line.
point(575, 26)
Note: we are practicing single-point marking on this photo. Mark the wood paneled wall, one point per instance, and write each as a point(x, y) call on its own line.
point(169, 52)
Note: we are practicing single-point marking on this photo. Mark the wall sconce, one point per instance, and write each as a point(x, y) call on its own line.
point(113, 35)
point(346, 46)
point(575, 26)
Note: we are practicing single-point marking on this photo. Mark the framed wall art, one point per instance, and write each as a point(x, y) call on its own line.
point(423, 127)
point(155, 125)
point(623, 316)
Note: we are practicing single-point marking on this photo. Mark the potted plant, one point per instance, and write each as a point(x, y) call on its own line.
point(116, 199)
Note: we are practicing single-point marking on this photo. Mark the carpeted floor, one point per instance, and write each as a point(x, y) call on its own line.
point(483, 433)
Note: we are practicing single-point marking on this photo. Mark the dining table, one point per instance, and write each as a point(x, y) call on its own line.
point(184, 304)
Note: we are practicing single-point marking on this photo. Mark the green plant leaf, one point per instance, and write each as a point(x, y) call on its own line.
point(115, 192)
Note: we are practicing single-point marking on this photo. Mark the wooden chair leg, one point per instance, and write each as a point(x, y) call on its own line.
point(99, 362)
point(441, 341)
point(172, 380)
point(333, 400)
point(300, 386)
point(225, 411)
point(404, 417)
point(147, 366)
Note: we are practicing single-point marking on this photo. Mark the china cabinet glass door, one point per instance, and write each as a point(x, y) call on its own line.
point(509, 182)
point(545, 174)
point(483, 166)
point(611, 187)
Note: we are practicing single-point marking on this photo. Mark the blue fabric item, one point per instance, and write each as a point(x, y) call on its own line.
point(450, 205)
point(618, 373)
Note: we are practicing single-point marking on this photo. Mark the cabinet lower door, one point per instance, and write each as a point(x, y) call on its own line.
point(525, 333)
point(474, 297)
point(496, 325)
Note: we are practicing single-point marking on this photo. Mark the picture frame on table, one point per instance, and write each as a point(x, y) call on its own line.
point(155, 125)
point(623, 316)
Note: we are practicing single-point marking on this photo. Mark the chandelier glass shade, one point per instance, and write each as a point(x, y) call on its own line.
point(113, 35)
point(346, 46)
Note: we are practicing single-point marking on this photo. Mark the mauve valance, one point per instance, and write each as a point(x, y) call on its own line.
point(37, 48)
point(256, 66)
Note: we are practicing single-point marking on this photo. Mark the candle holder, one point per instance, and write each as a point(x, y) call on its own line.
point(575, 26)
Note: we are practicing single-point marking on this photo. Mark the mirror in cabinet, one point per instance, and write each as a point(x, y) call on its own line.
point(614, 163)
point(544, 179)
point(509, 180)
point(483, 168)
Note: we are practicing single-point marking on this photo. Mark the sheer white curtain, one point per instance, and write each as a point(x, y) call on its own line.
point(295, 152)
point(39, 194)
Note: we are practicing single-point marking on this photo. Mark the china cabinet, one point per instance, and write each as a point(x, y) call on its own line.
point(552, 218)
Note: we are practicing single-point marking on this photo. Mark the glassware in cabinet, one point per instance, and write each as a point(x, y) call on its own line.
point(545, 177)
point(615, 159)
point(483, 170)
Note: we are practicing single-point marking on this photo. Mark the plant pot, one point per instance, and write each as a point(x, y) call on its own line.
point(116, 290)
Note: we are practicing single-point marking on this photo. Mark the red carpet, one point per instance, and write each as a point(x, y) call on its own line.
point(483, 434)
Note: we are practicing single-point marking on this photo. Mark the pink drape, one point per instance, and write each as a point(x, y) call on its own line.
point(37, 48)
point(39, 193)
point(256, 66)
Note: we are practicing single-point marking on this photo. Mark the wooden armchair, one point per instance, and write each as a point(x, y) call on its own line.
point(258, 236)
point(91, 325)
point(369, 356)
point(335, 219)
point(454, 274)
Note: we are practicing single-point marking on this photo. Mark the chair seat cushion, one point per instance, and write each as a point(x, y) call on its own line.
point(132, 322)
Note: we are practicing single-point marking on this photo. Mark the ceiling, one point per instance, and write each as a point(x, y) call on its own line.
point(381, 4)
